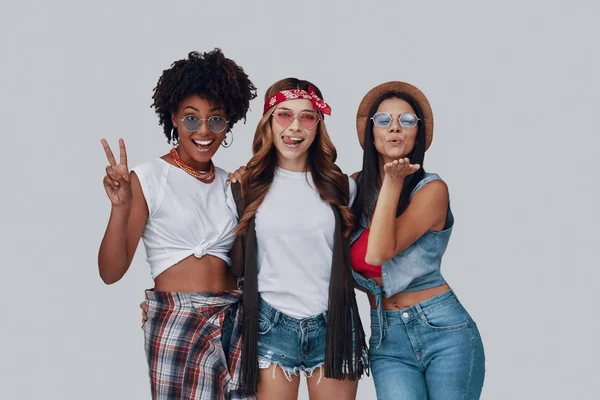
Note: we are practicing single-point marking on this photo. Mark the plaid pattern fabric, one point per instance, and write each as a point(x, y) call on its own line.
point(183, 342)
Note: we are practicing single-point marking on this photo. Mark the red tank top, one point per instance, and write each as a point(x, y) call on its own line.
point(358, 252)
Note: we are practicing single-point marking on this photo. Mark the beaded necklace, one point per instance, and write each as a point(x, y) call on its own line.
point(202, 176)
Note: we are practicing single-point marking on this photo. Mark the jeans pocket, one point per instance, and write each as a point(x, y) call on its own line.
point(264, 325)
point(449, 318)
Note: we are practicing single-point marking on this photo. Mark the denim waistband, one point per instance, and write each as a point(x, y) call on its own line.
point(408, 314)
point(275, 316)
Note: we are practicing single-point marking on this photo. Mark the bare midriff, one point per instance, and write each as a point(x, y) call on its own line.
point(193, 275)
point(406, 299)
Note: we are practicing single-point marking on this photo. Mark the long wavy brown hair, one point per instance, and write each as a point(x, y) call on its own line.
point(329, 180)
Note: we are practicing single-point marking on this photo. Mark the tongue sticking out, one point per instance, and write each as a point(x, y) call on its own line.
point(288, 140)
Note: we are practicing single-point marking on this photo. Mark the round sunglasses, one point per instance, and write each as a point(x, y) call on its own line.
point(192, 123)
point(384, 119)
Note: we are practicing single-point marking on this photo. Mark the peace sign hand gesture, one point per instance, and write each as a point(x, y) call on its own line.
point(116, 181)
point(397, 170)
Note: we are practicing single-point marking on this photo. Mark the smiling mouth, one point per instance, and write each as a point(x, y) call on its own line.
point(292, 142)
point(203, 145)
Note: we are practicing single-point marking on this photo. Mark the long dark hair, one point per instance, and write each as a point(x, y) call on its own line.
point(369, 180)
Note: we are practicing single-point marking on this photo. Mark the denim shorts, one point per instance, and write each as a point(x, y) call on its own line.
point(429, 350)
point(293, 344)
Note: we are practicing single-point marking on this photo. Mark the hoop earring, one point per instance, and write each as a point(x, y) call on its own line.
point(225, 143)
point(174, 139)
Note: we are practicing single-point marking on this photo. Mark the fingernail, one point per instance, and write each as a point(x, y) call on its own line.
point(116, 183)
point(234, 180)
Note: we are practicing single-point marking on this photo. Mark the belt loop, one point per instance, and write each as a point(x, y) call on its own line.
point(419, 311)
point(376, 291)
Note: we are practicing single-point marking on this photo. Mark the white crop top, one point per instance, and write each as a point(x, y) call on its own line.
point(294, 234)
point(185, 216)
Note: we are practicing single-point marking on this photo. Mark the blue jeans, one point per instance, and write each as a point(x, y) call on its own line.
point(431, 350)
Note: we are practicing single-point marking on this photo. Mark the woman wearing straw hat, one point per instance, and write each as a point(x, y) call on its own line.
point(424, 344)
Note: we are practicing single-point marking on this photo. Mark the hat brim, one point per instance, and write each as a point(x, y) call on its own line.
point(371, 97)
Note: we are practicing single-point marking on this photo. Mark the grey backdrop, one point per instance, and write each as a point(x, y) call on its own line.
point(514, 89)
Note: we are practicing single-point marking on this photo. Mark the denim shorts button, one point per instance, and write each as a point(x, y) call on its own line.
point(405, 315)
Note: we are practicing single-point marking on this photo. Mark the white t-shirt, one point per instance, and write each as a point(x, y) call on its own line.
point(294, 232)
point(185, 216)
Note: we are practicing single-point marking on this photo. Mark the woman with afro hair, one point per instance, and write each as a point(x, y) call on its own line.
point(177, 204)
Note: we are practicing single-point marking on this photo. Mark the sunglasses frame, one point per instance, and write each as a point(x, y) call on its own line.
point(392, 118)
point(295, 116)
point(203, 121)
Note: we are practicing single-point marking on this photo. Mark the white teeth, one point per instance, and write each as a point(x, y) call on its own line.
point(296, 139)
point(203, 142)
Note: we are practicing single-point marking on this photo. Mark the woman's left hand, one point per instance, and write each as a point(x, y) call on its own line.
point(397, 170)
point(237, 175)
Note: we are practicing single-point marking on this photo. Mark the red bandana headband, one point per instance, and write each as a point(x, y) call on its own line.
point(295, 94)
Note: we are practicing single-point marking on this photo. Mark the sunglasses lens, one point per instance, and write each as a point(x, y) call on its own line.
point(308, 119)
point(382, 120)
point(283, 117)
point(217, 124)
point(408, 120)
point(191, 123)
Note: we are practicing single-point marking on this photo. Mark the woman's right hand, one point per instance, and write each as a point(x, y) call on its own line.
point(144, 308)
point(397, 170)
point(116, 181)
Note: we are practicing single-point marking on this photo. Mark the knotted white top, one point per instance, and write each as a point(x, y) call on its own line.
point(186, 217)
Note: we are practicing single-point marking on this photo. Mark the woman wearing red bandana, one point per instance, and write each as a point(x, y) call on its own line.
point(300, 312)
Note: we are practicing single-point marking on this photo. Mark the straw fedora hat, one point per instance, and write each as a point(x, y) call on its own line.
point(394, 87)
